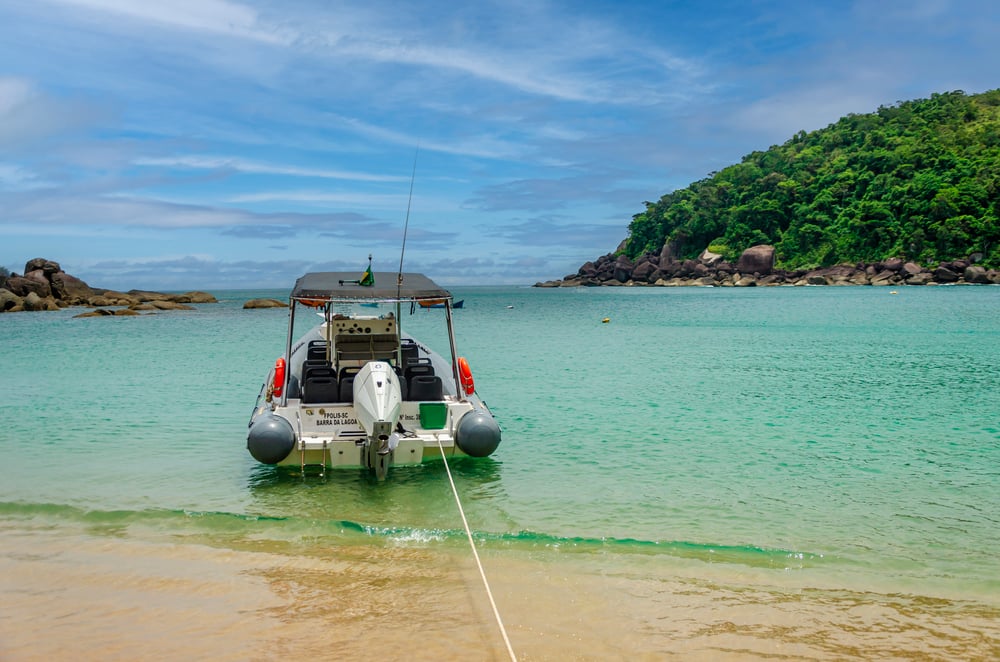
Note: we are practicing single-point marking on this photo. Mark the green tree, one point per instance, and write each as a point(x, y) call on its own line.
point(917, 179)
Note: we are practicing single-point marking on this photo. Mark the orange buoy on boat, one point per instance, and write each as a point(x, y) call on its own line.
point(279, 377)
point(465, 375)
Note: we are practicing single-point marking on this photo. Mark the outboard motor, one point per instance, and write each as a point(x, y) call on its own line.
point(377, 401)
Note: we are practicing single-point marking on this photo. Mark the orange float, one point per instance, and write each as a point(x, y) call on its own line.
point(279, 377)
point(465, 375)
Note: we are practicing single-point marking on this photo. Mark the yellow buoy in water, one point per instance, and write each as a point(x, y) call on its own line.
point(894, 292)
point(605, 320)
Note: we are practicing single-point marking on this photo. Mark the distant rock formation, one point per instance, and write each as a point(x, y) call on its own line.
point(264, 303)
point(45, 286)
point(755, 267)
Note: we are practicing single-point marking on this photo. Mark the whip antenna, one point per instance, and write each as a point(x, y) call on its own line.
point(406, 224)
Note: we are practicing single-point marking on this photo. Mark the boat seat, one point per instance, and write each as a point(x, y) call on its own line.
point(319, 370)
point(312, 363)
point(320, 389)
point(424, 388)
point(409, 350)
point(347, 389)
point(416, 370)
point(316, 352)
point(349, 371)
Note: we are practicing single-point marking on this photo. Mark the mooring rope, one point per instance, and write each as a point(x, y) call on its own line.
point(475, 553)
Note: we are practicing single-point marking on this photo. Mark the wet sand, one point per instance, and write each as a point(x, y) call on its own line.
point(69, 593)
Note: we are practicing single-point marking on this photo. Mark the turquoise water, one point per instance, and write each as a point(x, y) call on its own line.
point(833, 438)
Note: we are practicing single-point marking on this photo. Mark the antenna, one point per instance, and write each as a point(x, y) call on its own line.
point(406, 225)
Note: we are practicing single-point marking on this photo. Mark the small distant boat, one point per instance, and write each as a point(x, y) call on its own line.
point(434, 303)
point(357, 392)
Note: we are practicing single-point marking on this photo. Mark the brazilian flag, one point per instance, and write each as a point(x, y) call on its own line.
point(368, 278)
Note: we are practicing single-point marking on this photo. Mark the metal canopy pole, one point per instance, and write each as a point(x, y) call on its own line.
point(454, 351)
point(288, 352)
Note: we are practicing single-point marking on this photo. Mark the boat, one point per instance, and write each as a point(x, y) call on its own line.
point(355, 391)
point(438, 303)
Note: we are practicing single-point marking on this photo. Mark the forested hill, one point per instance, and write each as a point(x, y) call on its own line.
point(918, 180)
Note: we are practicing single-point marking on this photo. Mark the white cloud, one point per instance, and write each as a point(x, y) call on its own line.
point(213, 16)
point(256, 167)
point(28, 115)
point(18, 178)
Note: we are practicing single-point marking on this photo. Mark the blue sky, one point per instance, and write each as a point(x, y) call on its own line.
point(238, 143)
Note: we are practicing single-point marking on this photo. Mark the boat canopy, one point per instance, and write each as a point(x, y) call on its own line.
point(323, 286)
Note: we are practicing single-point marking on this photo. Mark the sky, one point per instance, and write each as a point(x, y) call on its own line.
point(236, 144)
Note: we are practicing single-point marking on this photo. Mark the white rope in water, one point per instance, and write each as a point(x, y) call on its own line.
point(475, 553)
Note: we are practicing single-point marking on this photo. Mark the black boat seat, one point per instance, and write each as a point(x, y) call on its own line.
point(316, 352)
point(320, 389)
point(349, 371)
point(425, 387)
point(318, 370)
point(347, 389)
point(409, 350)
point(419, 370)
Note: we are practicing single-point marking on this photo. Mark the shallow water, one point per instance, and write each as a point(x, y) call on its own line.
point(792, 472)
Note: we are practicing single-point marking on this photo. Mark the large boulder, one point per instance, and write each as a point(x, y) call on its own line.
point(708, 258)
point(669, 252)
point(9, 300)
point(69, 288)
point(976, 274)
point(48, 267)
point(145, 295)
point(170, 305)
point(911, 269)
point(839, 274)
point(643, 271)
point(264, 303)
point(892, 264)
point(34, 302)
point(623, 269)
point(756, 259)
point(38, 276)
point(884, 277)
point(112, 298)
point(945, 275)
point(22, 286)
point(922, 278)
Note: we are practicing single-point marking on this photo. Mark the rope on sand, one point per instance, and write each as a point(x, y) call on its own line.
point(475, 553)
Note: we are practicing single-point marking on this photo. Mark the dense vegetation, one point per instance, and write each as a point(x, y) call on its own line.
point(918, 180)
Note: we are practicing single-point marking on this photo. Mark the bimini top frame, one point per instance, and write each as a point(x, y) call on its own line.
point(324, 288)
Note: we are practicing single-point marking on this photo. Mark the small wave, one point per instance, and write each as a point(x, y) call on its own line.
point(281, 527)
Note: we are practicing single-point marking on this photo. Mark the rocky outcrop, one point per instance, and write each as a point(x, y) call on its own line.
point(757, 260)
point(264, 303)
point(45, 286)
point(755, 268)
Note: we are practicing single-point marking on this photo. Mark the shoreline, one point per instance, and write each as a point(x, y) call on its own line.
point(155, 594)
point(756, 268)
